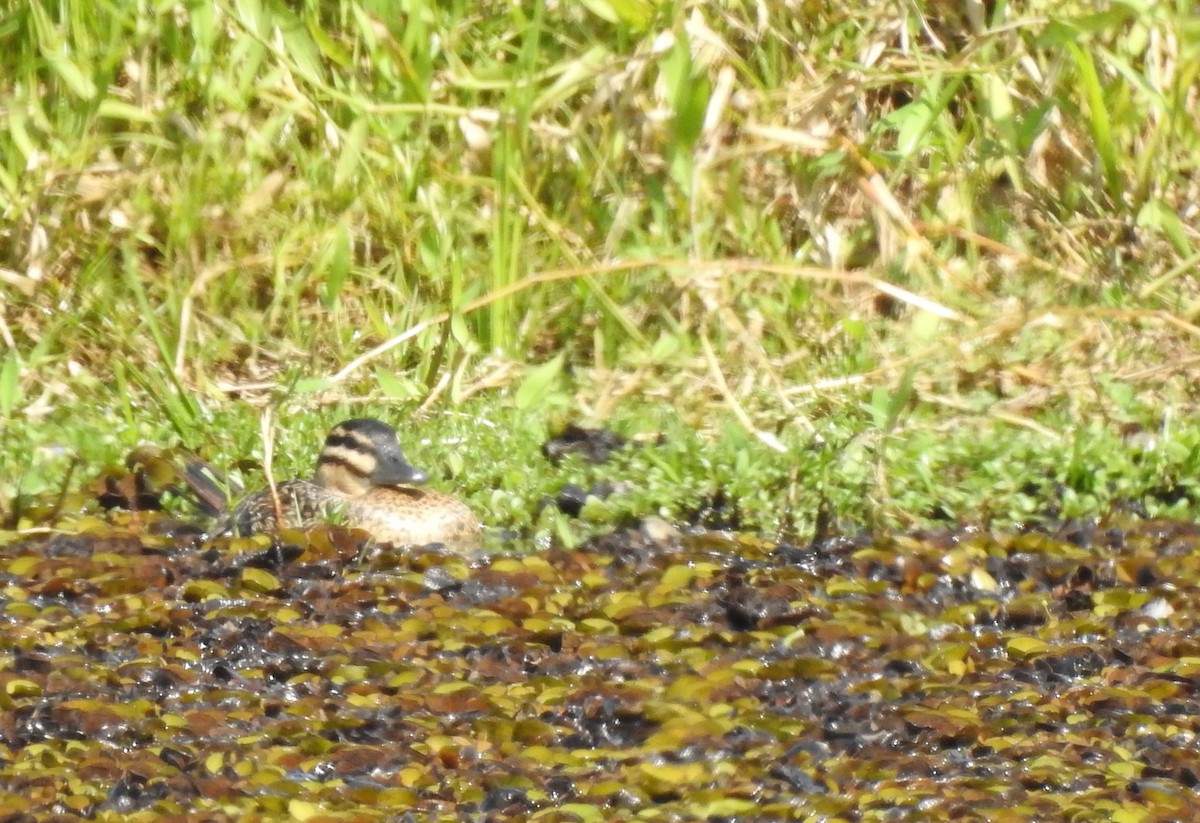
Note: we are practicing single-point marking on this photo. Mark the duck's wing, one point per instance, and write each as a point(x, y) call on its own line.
point(296, 504)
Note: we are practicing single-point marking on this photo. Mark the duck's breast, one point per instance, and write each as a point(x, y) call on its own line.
point(405, 516)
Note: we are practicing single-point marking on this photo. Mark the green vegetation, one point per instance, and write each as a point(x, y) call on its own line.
point(901, 259)
point(843, 270)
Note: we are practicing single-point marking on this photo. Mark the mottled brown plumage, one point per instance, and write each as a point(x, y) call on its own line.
point(364, 481)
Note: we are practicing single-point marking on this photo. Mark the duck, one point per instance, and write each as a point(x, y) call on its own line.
point(364, 480)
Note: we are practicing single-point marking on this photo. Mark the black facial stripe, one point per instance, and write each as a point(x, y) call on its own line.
point(352, 441)
point(346, 463)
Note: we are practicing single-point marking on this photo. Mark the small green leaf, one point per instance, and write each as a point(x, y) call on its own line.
point(366, 27)
point(1000, 105)
point(337, 259)
point(688, 89)
point(1099, 117)
point(679, 576)
point(879, 406)
point(536, 386)
point(1156, 215)
point(396, 387)
point(926, 326)
point(1121, 393)
point(854, 328)
point(460, 332)
point(8, 182)
point(665, 348)
point(120, 110)
point(900, 398)
point(10, 385)
point(982, 580)
point(308, 385)
point(576, 73)
point(72, 76)
point(329, 47)
point(455, 463)
point(636, 14)
point(727, 808)
point(602, 9)
point(912, 122)
point(350, 153)
point(251, 15)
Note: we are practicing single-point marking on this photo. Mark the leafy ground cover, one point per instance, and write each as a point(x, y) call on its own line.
point(895, 303)
point(648, 674)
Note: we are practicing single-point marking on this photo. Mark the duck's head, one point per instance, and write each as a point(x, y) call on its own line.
point(362, 453)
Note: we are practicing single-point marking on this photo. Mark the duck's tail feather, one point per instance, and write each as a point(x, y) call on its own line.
point(207, 487)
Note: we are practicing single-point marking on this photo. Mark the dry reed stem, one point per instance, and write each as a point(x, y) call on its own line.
point(714, 369)
point(1004, 417)
point(267, 431)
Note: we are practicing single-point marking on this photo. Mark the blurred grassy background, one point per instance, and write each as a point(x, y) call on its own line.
point(922, 256)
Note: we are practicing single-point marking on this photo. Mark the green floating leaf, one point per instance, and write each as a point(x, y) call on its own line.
point(259, 580)
point(302, 810)
point(22, 688)
point(1027, 647)
point(581, 812)
point(729, 807)
point(196, 591)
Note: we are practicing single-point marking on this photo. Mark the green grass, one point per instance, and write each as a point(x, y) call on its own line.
point(886, 257)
